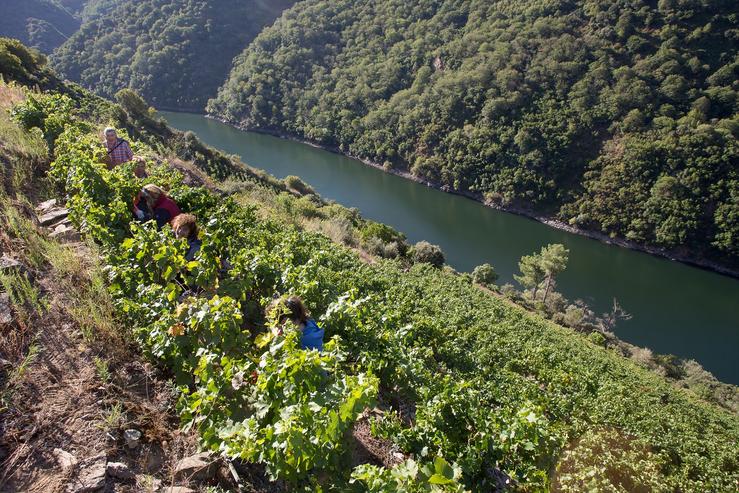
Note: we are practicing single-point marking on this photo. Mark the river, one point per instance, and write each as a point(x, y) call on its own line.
point(675, 308)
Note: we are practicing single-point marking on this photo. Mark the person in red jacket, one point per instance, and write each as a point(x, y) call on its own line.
point(153, 203)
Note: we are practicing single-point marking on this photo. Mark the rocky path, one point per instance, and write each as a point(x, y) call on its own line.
point(83, 417)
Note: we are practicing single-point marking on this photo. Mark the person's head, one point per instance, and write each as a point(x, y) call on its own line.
point(139, 168)
point(185, 226)
point(110, 135)
point(151, 193)
point(290, 308)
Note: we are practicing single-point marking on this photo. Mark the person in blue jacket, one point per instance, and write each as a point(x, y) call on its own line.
point(311, 335)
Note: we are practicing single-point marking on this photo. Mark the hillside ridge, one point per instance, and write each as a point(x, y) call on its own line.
point(617, 118)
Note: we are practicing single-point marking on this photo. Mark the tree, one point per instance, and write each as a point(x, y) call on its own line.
point(132, 102)
point(532, 275)
point(541, 268)
point(580, 131)
point(484, 274)
point(553, 262)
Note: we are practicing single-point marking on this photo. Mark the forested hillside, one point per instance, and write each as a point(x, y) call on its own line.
point(174, 52)
point(43, 24)
point(615, 116)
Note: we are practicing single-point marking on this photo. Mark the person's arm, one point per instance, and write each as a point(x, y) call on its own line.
point(108, 160)
point(138, 208)
point(128, 151)
point(193, 249)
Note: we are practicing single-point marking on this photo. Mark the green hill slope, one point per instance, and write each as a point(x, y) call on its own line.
point(42, 24)
point(615, 116)
point(497, 392)
point(174, 52)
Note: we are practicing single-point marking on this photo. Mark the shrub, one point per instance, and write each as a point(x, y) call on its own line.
point(339, 229)
point(597, 338)
point(509, 291)
point(17, 62)
point(573, 316)
point(50, 113)
point(296, 184)
point(383, 232)
point(425, 252)
point(373, 245)
point(132, 102)
point(672, 365)
point(484, 274)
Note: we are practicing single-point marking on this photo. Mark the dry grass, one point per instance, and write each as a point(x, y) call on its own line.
point(79, 385)
point(10, 95)
point(22, 153)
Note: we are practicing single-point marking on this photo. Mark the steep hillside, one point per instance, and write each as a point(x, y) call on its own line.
point(617, 117)
point(457, 389)
point(174, 52)
point(42, 24)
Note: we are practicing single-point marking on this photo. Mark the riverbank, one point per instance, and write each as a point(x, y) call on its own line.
point(668, 302)
point(674, 255)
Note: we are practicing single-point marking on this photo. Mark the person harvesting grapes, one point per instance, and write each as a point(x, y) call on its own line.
point(153, 203)
point(118, 150)
point(293, 309)
point(185, 228)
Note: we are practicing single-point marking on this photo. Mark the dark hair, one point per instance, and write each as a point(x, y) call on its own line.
point(297, 309)
point(291, 308)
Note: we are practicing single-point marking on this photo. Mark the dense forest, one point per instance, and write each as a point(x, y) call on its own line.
point(614, 116)
point(43, 24)
point(174, 52)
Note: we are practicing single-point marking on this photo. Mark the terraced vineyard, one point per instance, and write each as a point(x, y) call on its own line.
point(473, 392)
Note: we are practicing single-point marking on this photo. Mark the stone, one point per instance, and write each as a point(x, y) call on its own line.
point(53, 216)
point(65, 460)
point(8, 264)
point(6, 309)
point(64, 222)
point(119, 470)
point(65, 234)
point(45, 206)
point(132, 438)
point(91, 476)
point(198, 467)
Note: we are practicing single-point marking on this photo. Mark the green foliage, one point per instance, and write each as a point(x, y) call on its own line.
point(542, 268)
point(581, 110)
point(384, 241)
point(492, 389)
point(409, 477)
point(301, 411)
point(41, 24)
point(25, 65)
point(381, 231)
point(597, 338)
point(484, 274)
point(295, 183)
point(532, 274)
point(132, 103)
point(49, 113)
point(608, 461)
point(425, 252)
point(175, 53)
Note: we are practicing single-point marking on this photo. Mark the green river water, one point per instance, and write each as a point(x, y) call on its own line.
point(675, 308)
